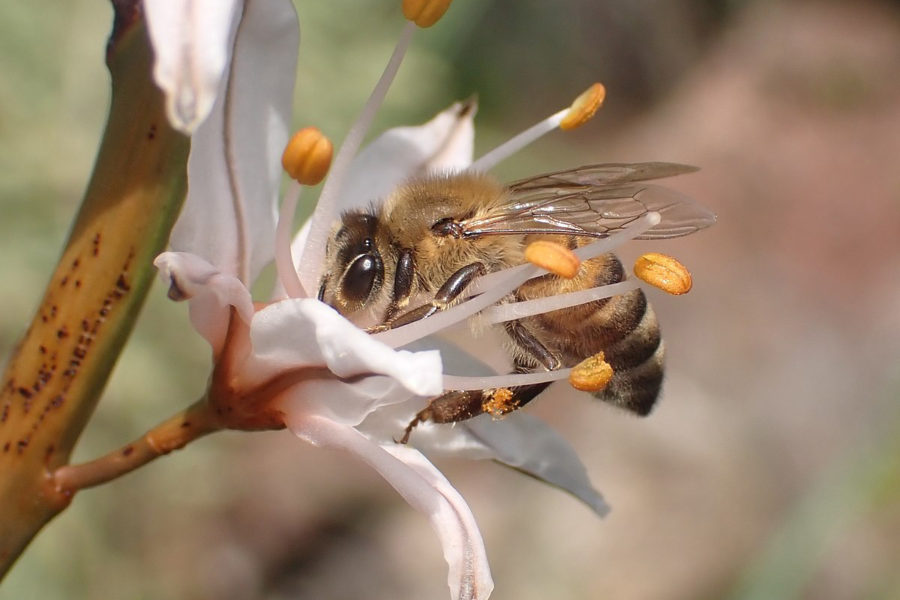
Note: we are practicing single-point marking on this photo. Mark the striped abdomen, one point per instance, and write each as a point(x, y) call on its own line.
point(624, 328)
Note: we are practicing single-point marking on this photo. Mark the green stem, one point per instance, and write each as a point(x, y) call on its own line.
point(57, 372)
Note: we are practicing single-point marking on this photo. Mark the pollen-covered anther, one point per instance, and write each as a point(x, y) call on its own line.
point(425, 13)
point(498, 402)
point(584, 107)
point(553, 257)
point(663, 272)
point(592, 374)
point(307, 156)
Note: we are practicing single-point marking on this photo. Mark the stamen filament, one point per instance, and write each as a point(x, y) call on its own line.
point(495, 286)
point(527, 308)
point(284, 262)
point(461, 382)
point(327, 209)
point(578, 113)
point(510, 147)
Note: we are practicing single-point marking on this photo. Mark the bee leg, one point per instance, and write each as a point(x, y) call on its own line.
point(531, 347)
point(449, 407)
point(404, 274)
point(459, 405)
point(450, 291)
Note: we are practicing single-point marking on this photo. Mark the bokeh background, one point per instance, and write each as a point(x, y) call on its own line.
point(771, 468)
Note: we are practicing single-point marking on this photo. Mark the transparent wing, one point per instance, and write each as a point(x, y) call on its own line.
point(594, 201)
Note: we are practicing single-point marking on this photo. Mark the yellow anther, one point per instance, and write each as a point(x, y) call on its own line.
point(592, 374)
point(663, 272)
point(584, 107)
point(553, 257)
point(307, 156)
point(498, 402)
point(425, 13)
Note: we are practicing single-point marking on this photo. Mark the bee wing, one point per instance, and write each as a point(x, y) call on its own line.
point(594, 201)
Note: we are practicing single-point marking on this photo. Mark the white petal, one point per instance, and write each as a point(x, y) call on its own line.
point(528, 444)
point(304, 332)
point(518, 440)
point(191, 42)
point(211, 294)
point(442, 144)
point(426, 490)
point(344, 402)
point(234, 168)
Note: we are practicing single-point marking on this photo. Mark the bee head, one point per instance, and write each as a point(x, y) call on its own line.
point(355, 269)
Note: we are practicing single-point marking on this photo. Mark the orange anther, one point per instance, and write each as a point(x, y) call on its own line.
point(584, 107)
point(553, 257)
point(425, 13)
point(307, 156)
point(592, 374)
point(664, 272)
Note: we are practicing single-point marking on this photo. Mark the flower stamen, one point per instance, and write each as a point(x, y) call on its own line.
point(327, 208)
point(663, 272)
point(527, 308)
point(494, 286)
point(553, 257)
point(464, 382)
point(592, 374)
point(584, 107)
point(425, 13)
point(307, 156)
point(575, 115)
point(306, 159)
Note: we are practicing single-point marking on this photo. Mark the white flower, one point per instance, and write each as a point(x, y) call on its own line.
point(227, 68)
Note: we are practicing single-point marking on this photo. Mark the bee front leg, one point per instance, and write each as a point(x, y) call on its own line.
point(450, 291)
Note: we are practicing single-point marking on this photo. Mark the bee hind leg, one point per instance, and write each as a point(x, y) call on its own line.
point(460, 405)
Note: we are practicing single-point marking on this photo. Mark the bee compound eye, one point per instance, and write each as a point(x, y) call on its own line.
point(361, 276)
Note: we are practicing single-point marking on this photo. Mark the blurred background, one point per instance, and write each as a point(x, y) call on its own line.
point(771, 468)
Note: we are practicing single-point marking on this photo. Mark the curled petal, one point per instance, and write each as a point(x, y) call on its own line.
point(518, 440)
point(426, 490)
point(444, 143)
point(211, 294)
point(304, 332)
point(527, 444)
point(234, 169)
point(192, 42)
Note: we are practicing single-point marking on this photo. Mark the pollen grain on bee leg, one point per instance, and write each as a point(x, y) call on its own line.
point(592, 374)
point(553, 257)
point(664, 272)
point(499, 402)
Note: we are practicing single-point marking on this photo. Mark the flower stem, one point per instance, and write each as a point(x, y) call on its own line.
point(54, 378)
point(172, 434)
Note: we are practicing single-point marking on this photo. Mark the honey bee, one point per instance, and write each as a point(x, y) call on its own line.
point(419, 251)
